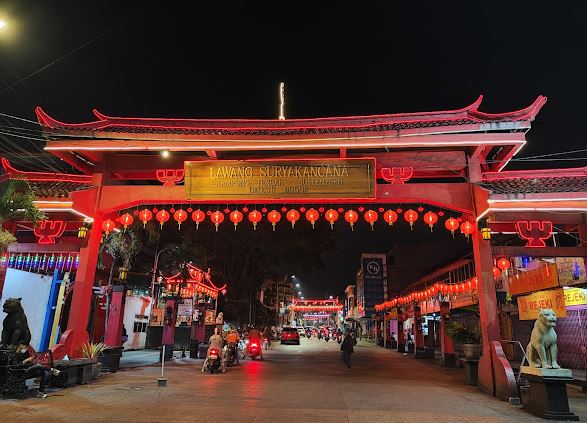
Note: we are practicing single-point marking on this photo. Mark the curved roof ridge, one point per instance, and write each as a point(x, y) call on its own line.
point(470, 112)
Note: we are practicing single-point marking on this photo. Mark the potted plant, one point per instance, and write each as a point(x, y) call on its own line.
point(91, 351)
point(470, 339)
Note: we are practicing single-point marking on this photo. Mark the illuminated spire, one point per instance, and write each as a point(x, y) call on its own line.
point(282, 101)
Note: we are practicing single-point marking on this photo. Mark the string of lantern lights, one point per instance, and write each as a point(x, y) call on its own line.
point(502, 265)
point(437, 289)
point(40, 262)
point(292, 215)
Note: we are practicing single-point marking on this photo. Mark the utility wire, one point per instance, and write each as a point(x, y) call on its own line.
point(19, 118)
point(57, 60)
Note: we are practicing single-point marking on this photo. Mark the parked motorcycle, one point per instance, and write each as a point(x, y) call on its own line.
point(327, 337)
point(213, 360)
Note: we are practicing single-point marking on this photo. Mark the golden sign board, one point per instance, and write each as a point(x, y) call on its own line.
point(277, 179)
point(529, 305)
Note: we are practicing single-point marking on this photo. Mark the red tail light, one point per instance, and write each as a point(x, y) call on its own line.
point(214, 353)
point(254, 345)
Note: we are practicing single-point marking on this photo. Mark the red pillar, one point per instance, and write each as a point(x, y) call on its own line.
point(168, 336)
point(401, 341)
point(418, 334)
point(79, 313)
point(447, 346)
point(487, 309)
point(113, 335)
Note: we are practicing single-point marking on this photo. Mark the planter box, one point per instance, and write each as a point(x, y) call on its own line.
point(110, 359)
point(67, 377)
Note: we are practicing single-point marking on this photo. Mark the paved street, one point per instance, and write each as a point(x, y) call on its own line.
point(306, 383)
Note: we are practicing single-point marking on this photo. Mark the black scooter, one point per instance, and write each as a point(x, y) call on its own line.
point(231, 352)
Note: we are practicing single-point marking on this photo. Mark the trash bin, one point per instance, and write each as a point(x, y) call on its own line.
point(194, 348)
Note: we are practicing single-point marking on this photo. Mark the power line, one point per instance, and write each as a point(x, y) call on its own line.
point(18, 118)
point(56, 60)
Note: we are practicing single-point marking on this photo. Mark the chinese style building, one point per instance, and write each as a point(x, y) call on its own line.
point(440, 169)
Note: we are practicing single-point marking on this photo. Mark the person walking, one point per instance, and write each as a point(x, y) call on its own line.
point(347, 349)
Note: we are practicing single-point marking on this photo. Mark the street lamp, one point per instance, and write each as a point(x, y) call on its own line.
point(297, 285)
point(155, 263)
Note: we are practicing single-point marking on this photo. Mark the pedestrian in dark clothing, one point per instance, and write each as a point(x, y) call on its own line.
point(347, 349)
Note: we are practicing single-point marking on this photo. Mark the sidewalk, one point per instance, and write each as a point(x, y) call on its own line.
point(577, 399)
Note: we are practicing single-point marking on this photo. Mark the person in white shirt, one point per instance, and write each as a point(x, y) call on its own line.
point(215, 342)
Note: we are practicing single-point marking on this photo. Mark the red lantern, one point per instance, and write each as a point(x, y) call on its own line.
point(126, 219)
point(293, 216)
point(496, 272)
point(467, 228)
point(475, 282)
point(236, 217)
point(390, 217)
point(108, 225)
point(452, 225)
point(198, 216)
point(411, 216)
point(371, 216)
point(503, 263)
point(274, 216)
point(431, 218)
point(332, 216)
point(255, 217)
point(217, 218)
point(162, 216)
point(312, 215)
point(351, 217)
point(180, 216)
point(145, 215)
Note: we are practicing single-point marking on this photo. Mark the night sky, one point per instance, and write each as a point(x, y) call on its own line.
point(225, 59)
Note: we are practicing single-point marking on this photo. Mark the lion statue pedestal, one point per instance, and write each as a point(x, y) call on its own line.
point(546, 394)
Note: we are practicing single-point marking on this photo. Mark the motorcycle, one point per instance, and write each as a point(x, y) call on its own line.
point(338, 339)
point(327, 337)
point(308, 334)
point(230, 355)
point(213, 360)
point(254, 349)
point(319, 335)
point(266, 343)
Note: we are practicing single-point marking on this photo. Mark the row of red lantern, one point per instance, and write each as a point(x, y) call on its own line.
point(437, 288)
point(316, 308)
point(292, 215)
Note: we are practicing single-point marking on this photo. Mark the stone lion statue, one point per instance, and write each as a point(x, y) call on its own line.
point(542, 350)
point(15, 329)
